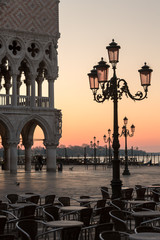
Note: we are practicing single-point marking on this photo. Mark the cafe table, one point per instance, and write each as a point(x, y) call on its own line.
point(144, 215)
point(137, 202)
point(64, 223)
point(145, 236)
point(70, 210)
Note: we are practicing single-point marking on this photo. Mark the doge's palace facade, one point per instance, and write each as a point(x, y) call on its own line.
point(29, 31)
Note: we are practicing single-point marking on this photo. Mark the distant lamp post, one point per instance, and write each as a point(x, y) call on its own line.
point(114, 89)
point(94, 145)
point(126, 133)
point(109, 141)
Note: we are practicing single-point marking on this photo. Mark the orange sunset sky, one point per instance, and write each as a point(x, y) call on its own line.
point(86, 28)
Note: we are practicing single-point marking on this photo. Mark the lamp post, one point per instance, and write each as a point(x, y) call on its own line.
point(114, 89)
point(126, 133)
point(109, 141)
point(94, 145)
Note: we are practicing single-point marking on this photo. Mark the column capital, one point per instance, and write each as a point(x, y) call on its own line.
point(50, 144)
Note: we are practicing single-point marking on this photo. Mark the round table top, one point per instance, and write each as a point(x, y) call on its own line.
point(153, 186)
point(146, 214)
point(64, 223)
point(72, 208)
point(145, 236)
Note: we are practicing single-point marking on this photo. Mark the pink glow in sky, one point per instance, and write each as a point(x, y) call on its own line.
point(86, 28)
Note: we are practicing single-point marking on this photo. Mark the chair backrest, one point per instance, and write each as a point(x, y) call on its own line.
point(33, 199)
point(49, 199)
point(3, 220)
point(85, 216)
point(101, 228)
point(127, 193)
point(155, 195)
point(51, 213)
point(3, 206)
point(12, 198)
point(118, 204)
point(149, 205)
point(100, 204)
point(105, 193)
point(27, 211)
point(28, 229)
point(119, 220)
point(104, 215)
point(70, 233)
point(140, 192)
point(7, 237)
point(86, 204)
point(65, 201)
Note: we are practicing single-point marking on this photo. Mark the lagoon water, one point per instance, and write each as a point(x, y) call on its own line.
point(80, 181)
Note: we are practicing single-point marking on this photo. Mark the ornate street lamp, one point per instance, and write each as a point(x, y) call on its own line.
point(109, 141)
point(114, 89)
point(126, 133)
point(94, 145)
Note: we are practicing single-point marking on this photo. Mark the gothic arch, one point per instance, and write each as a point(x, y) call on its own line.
point(29, 124)
point(6, 128)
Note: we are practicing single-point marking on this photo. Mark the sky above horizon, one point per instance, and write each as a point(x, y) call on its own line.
point(86, 28)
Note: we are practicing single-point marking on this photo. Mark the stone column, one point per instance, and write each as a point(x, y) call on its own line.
point(13, 157)
point(39, 80)
point(28, 156)
point(14, 89)
point(6, 157)
point(51, 92)
point(32, 77)
point(51, 157)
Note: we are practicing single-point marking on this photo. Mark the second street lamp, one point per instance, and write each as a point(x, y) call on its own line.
point(126, 133)
point(109, 141)
point(94, 145)
point(114, 89)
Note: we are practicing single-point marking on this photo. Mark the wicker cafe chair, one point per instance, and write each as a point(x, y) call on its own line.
point(34, 199)
point(113, 235)
point(29, 228)
point(104, 216)
point(119, 218)
point(12, 198)
point(71, 233)
point(85, 216)
point(64, 201)
point(3, 220)
point(95, 230)
point(127, 194)
point(140, 193)
point(27, 212)
point(118, 204)
point(86, 204)
point(51, 213)
point(105, 193)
